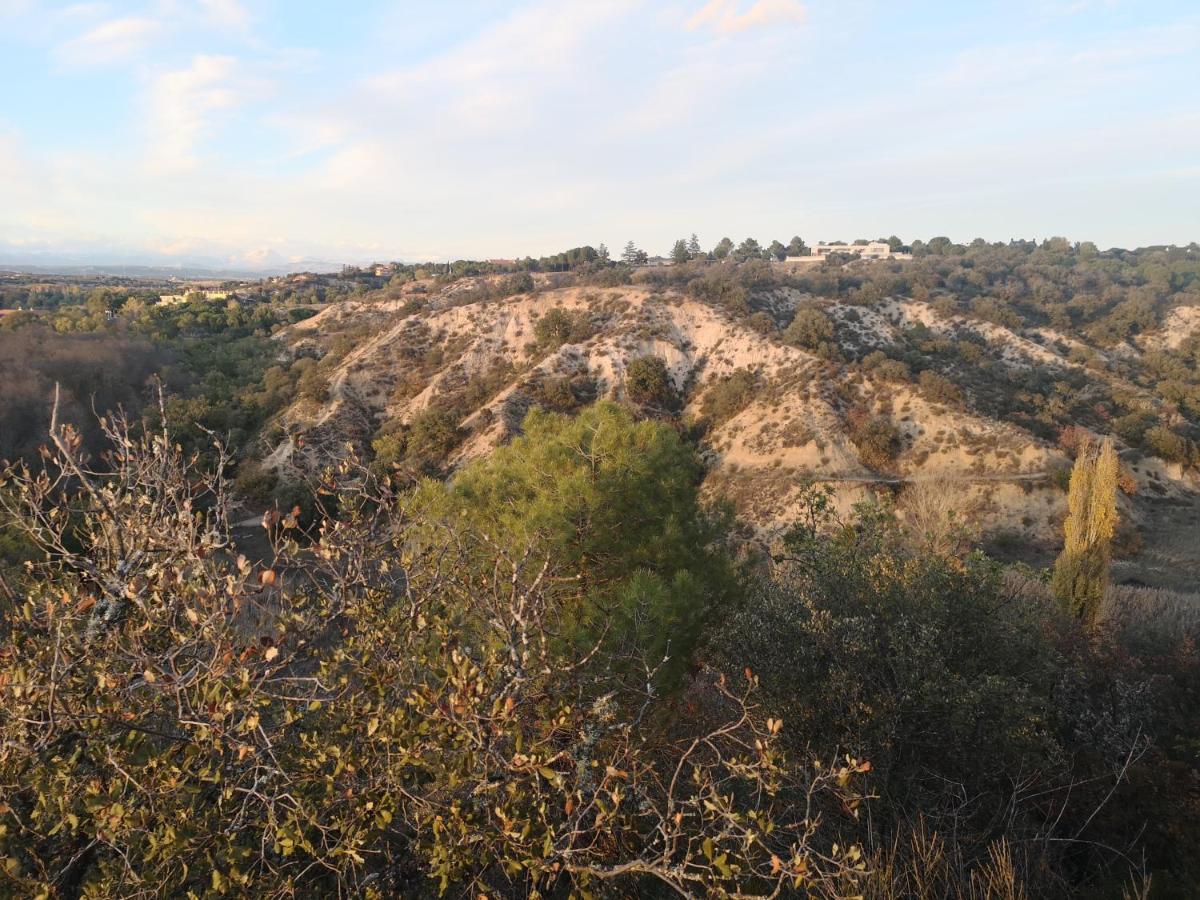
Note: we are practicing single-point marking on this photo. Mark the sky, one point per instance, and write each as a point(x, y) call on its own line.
point(252, 133)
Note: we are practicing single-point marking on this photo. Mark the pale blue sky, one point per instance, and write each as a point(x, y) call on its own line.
point(253, 131)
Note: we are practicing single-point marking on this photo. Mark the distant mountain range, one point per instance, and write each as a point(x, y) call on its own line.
point(125, 265)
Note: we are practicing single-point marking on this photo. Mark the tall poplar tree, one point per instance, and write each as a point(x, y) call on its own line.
point(1081, 571)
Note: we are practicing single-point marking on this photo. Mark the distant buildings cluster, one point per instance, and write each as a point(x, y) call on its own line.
point(171, 299)
point(867, 250)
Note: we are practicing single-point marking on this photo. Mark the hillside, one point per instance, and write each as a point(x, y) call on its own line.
point(471, 358)
point(401, 670)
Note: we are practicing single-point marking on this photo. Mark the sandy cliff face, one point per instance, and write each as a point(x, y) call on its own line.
point(481, 358)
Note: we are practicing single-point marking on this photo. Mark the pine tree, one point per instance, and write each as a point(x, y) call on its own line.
point(630, 254)
point(679, 253)
point(693, 246)
point(748, 249)
point(1081, 571)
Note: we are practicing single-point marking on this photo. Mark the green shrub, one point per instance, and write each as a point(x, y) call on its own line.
point(429, 438)
point(648, 383)
point(391, 712)
point(810, 328)
point(613, 499)
point(1167, 445)
point(728, 396)
point(558, 326)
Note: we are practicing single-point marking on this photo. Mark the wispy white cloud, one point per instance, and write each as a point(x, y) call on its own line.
point(527, 126)
point(726, 17)
point(498, 75)
point(180, 107)
point(115, 41)
point(230, 14)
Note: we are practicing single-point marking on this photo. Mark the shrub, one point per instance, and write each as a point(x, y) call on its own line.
point(648, 383)
point(1133, 426)
point(762, 322)
point(728, 396)
point(1167, 445)
point(720, 286)
point(878, 442)
point(886, 368)
point(810, 328)
point(611, 498)
point(938, 388)
point(311, 381)
point(391, 713)
point(430, 437)
point(950, 677)
point(521, 283)
point(558, 326)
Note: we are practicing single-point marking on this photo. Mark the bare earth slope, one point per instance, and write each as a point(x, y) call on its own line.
point(392, 359)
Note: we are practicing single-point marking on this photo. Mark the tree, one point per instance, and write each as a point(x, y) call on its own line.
point(614, 500)
point(797, 247)
point(630, 254)
point(648, 382)
point(679, 253)
point(431, 436)
point(1081, 571)
point(558, 326)
point(723, 249)
point(748, 249)
point(693, 246)
point(777, 251)
point(602, 253)
point(809, 329)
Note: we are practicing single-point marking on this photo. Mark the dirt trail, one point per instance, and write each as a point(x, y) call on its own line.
point(1015, 478)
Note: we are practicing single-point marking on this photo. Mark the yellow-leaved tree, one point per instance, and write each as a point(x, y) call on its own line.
point(1081, 571)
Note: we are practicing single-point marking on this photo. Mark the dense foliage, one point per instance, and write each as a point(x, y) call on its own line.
point(987, 712)
point(386, 707)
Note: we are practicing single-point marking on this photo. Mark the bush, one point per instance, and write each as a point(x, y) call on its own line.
point(311, 381)
point(938, 388)
point(886, 368)
point(809, 329)
point(558, 326)
point(391, 713)
point(1133, 426)
point(950, 677)
point(878, 442)
point(610, 497)
point(728, 396)
point(720, 286)
point(648, 383)
point(762, 322)
point(521, 283)
point(1167, 445)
